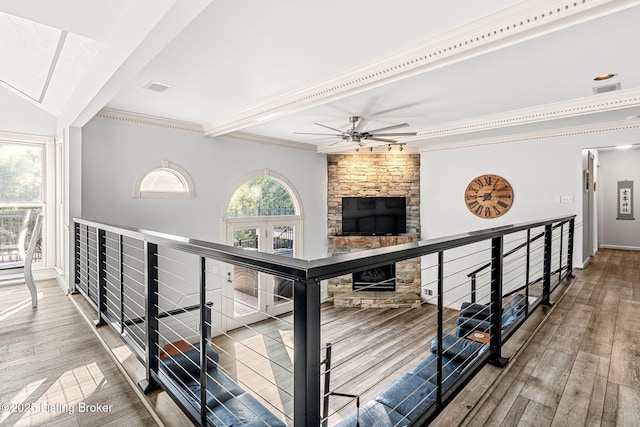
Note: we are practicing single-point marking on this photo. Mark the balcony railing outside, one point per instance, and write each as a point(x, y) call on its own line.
point(16, 226)
point(158, 290)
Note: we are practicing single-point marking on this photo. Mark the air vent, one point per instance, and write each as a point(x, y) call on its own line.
point(157, 87)
point(606, 88)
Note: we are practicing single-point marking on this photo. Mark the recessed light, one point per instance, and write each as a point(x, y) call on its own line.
point(604, 76)
point(157, 87)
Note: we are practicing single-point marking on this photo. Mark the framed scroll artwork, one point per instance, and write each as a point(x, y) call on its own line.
point(625, 200)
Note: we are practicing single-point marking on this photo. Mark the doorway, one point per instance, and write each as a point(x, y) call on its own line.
point(262, 215)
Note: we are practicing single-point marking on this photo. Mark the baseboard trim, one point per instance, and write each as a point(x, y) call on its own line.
point(626, 248)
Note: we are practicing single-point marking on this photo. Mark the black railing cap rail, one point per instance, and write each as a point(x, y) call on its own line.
point(322, 268)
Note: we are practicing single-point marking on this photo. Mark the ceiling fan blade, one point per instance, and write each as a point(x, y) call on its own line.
point(329, 127)
point(401, 125)
point(361, 123)
point(313, 133)
point(372, 138)
point(394, 134)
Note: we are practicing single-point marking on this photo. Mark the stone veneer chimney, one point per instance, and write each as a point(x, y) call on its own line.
point(374, 175)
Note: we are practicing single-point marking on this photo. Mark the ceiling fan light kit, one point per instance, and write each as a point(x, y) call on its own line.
point(359, 136)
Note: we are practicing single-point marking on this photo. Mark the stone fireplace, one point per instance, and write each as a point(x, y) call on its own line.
point(368, 175)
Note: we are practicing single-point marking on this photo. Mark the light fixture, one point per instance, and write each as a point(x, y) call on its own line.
point(370, 149)
point(401, 147)
point(623, 147)
point(389, 149)
point(604, 76)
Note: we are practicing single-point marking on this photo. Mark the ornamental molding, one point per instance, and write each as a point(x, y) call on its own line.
point(147, 120)
point(598, 128)
point(523, 21)
point(566, 109)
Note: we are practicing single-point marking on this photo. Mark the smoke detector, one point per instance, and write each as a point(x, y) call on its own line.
point(157, 87)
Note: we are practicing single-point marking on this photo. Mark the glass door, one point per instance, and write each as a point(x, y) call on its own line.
point(246, 282)
point(257, 296)
point(283, 243)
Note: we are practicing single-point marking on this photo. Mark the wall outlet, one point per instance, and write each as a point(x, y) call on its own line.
point(428, 292)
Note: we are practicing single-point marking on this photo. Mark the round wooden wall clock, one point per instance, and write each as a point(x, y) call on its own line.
point(488, 196)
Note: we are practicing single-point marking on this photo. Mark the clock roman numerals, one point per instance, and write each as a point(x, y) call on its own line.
point(488, 196)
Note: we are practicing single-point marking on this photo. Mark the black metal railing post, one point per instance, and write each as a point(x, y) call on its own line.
point(474, 284)
point(495, 337)
point(86, 248)
point(306, 359)
point(527, 275)
point(76, 256)
point(101, 266)
point(440, 324)
point(121, 264)
point(572, 223)
point(151, 323)
point(203, 341)
point(546, 277)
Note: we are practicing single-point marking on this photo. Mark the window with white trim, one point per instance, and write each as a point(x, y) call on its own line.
point(164, 179)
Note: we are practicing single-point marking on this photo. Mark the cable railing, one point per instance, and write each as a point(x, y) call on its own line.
point(273, 354)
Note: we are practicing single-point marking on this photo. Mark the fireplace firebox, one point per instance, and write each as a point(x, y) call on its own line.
point(375, 279)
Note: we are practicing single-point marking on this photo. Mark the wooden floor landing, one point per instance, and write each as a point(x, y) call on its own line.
point(581, 367)
point(53, 369)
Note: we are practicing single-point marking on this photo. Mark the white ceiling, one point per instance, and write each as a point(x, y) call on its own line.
point(455, 71)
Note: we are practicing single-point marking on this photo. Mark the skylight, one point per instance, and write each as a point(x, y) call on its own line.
point(42, 63)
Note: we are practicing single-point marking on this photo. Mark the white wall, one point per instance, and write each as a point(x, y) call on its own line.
point(113, 153)
point(537, 172)
point(20, 116)
point(540, 172)
point(618, 165)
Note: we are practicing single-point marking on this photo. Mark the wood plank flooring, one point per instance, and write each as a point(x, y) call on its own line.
point(581, 366)
point(52, 366)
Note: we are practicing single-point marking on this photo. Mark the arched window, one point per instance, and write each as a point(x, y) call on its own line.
point(163, 179)
point(261, 196)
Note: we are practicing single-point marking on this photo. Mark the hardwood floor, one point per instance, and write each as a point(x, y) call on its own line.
point(581, 366)
point(54, 371)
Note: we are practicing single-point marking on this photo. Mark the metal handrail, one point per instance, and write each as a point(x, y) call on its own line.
point(306, 275)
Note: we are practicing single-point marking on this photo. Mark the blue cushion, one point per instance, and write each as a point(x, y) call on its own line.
point(243, 410)
point(220, 388)
point(186, 366)
point(475, 311)
point(427, 370)
point(374, 414)
point(410, 395)
point(457, 348)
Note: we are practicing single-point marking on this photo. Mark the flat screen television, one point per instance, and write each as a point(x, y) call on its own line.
point(370, 216)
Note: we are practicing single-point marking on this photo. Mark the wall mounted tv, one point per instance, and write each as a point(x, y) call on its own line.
point(370, 216)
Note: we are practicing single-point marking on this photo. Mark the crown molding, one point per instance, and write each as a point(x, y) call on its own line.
point(146, 120)
point(561, 110)
point(596, 128)
point(523, 21)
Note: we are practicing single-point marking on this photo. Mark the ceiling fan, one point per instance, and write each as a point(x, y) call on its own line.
point(356, 134)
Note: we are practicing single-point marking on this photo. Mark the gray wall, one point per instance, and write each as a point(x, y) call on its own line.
point(618, 165)
point(113, 153)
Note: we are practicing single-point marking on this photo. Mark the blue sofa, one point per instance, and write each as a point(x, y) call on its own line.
point(409, 396)
point(227, 403)
point(475, 316)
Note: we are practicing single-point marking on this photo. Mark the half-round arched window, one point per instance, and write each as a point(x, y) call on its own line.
point(262, 196)
point(163, 179)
